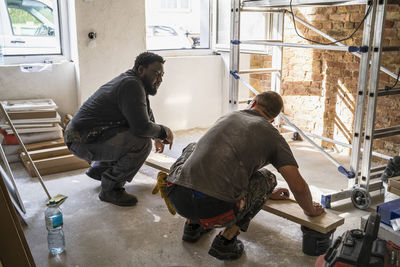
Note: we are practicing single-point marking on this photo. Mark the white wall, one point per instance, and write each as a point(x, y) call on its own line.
point(58, 84)
point(191, 95)
point(121, 36)
point(191, 92)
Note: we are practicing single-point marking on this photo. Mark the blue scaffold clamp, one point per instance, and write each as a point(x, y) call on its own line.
point(349, 174)
point(326, 201)
point(234, 74)
point(361, 49)
point(235, 42)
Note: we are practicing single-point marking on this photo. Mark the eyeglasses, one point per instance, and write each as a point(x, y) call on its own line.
point(158, 73)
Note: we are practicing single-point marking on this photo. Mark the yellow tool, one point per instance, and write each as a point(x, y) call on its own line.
point(162, 187)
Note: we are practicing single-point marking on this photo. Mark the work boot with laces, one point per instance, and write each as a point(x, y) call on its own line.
point(392, 169)
point(224, 249)
point(192, 232)
point(118, 196)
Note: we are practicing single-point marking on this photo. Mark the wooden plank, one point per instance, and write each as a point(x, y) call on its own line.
point(57, 119)
point(57, 161)
point(46, 144)
point(395, 182)
point(160, 162)
point(67, 165)
point(27, 164)
point(36, 129)
point(37, 114)
point(290, 210)
point(394, 190)
point(49, 152)
point(14, 250)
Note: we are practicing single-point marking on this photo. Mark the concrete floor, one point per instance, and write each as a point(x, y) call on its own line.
point(101, 234)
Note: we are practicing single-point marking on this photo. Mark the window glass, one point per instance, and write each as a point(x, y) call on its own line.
point(29, 27)
point(253, 26)
point(177, 24)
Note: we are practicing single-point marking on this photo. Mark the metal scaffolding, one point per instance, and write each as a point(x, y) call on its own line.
point(370, 66)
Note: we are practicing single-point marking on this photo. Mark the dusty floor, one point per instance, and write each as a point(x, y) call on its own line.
point(101, 234)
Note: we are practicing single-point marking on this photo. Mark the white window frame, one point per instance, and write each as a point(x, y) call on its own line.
point(179, 7)
point(64, 10)
point(196, 51)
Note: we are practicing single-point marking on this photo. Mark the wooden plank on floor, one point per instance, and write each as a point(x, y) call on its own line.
point(49, 169)
point(394, 190)
point(290, 210)
point(49, 152)
point(57, 161)
point(44, 145)
point(394, 182)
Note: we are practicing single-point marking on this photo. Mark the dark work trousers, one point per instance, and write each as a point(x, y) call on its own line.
point(211, 212)
point(124, 153)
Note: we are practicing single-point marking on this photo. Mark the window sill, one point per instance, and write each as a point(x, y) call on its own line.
point(17, 60)
point(183, 52)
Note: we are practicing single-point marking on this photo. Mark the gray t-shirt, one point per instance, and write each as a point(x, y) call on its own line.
point(239, 144)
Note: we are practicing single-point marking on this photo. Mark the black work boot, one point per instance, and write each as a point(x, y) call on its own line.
point(224, 249)
point(192, 232)
point(118, 196)
point(392, 169)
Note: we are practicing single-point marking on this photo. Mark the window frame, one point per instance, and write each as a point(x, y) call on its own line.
point(63, 11)
point(195, 51)
point(179, 8)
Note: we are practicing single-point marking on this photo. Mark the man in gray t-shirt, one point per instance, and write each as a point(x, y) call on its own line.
point(221, 182)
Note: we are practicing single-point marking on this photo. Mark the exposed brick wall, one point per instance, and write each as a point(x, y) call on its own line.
point(319, 87)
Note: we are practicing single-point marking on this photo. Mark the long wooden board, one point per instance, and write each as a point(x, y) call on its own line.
point(290, 210)
point(56, 165)
point(395, 182)
point(49, 152)
point(287, 209)
point(46, 144)
point(394, 190)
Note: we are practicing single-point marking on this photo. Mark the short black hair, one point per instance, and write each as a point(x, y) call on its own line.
point(146, 58)
point(270, 102)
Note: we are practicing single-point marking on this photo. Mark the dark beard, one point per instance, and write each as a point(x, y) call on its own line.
point(151, 90)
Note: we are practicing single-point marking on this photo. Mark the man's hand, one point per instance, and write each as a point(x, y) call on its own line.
point(317, 210)
point(170, 137)
point(159, 146)
point(279, 193)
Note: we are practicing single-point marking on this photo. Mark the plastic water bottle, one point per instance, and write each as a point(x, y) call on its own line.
point(54, 225)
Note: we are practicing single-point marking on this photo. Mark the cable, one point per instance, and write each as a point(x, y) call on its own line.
point(316, 42)
point(391, 87)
